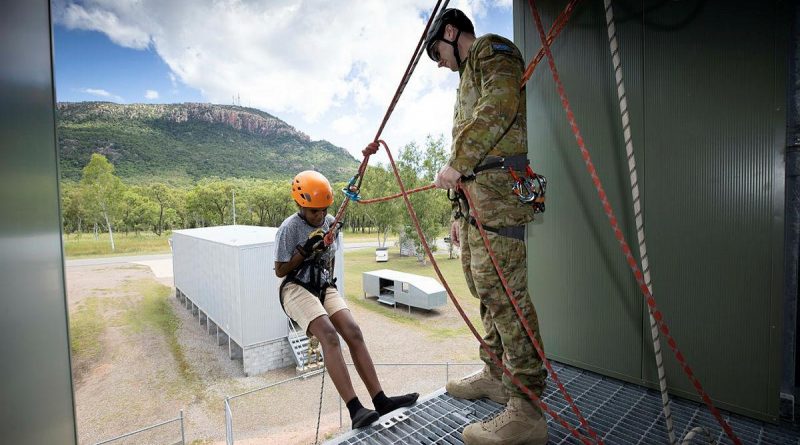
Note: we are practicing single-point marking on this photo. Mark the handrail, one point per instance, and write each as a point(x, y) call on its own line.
point(179, 418)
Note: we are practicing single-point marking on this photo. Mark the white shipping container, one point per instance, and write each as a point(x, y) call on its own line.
point(228, 272)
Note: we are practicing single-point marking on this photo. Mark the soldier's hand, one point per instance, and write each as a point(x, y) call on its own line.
point(455, 235)
point(370, 149)
point(447, 178)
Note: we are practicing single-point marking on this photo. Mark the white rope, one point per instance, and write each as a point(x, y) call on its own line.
point(637, 208)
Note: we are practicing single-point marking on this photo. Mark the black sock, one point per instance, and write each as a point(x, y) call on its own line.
point(385, 404)
point(353, 406)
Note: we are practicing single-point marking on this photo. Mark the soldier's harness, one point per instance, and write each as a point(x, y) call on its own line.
point(530, 189)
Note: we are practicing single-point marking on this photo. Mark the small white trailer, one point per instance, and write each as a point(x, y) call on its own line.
point(392, 287)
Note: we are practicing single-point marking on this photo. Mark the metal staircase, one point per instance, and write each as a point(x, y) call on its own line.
point(307, 352)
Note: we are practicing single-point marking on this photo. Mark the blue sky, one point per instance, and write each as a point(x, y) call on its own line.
point(328, 70)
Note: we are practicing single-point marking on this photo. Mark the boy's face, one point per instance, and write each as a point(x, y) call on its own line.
point(313, 216)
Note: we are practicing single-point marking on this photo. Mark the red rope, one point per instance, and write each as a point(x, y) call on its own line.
point(397, 195)
point(626, 250)
point(461, 312)
point(555, 30)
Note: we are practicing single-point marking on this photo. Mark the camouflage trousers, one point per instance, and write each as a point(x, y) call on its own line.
point(505, 335)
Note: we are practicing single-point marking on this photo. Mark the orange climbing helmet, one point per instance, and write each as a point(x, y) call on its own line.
point(312, 189)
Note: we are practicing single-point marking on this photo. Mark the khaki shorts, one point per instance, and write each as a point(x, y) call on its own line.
point(303, 307)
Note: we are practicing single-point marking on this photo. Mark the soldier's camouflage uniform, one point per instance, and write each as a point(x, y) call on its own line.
point(490, 120)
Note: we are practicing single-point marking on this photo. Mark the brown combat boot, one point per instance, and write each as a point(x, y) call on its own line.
point(476, 386)
point(519, 424)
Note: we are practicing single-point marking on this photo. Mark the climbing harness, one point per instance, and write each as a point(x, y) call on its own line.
point(651, 302)
point(315, 264)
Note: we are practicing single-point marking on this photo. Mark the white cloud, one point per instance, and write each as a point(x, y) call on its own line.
point(118, 29)
point(330, 68)
point(99, 92)
point(151, 94)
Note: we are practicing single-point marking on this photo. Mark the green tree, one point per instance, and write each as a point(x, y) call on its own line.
point(138, 211)
point(417, 168)
point(270, 201)
point(384, 216)
point(211, 200)
point(73, 208)
point(103, 192)
point(164, 199)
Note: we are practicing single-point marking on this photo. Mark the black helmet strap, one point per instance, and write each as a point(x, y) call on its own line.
point(454, 44)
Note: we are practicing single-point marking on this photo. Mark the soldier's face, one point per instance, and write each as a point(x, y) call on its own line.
point(443, 54)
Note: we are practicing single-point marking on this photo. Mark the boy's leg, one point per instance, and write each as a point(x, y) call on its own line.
point(344, 323)
point(322, 328)
point(310, 313)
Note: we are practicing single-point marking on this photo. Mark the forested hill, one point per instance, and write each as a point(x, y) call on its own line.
point(191, 141)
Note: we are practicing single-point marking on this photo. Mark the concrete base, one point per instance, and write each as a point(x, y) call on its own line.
point(267, 356)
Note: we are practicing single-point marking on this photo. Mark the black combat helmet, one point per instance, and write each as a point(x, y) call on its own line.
point(450, 16)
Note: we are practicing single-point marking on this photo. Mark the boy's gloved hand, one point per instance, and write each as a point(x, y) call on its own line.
point(313, 243)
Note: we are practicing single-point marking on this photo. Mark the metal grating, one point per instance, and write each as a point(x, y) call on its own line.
point(622, 413)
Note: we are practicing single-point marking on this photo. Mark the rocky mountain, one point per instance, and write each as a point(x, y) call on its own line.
point(190, 141)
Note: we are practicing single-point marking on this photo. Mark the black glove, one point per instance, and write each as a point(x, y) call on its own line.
point(313, 243)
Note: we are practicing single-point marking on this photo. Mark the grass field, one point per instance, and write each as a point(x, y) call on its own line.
point(86, 246)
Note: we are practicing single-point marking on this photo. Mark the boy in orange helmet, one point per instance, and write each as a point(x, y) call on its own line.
point(309, 297)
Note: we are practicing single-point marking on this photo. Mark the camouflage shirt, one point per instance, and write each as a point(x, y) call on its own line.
point(489, 114)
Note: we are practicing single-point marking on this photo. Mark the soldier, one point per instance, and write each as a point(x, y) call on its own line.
point(308, 295)
point(489, 137)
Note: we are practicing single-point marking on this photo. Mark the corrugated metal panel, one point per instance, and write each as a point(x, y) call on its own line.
point(589, 309)
point(705, 84)
point(262, 316)
point(715, 135)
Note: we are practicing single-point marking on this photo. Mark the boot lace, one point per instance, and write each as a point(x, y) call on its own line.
point(499, 419)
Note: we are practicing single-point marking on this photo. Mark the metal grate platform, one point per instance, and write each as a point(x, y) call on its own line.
point(622, 413)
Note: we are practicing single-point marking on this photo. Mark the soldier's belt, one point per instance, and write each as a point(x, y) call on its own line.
point(517, 232)
point(490, 162)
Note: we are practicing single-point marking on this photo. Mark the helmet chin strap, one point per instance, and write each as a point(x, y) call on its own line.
point(454, 44)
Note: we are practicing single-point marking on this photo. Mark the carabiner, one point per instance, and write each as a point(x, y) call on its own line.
point(352, 190)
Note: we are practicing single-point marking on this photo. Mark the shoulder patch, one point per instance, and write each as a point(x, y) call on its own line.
point(502, 48)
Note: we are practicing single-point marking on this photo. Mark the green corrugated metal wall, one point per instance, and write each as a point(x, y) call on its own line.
point(706, 92)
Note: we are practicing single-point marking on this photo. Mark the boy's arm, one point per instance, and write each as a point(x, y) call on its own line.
point(300, 253)
point(283, 269)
